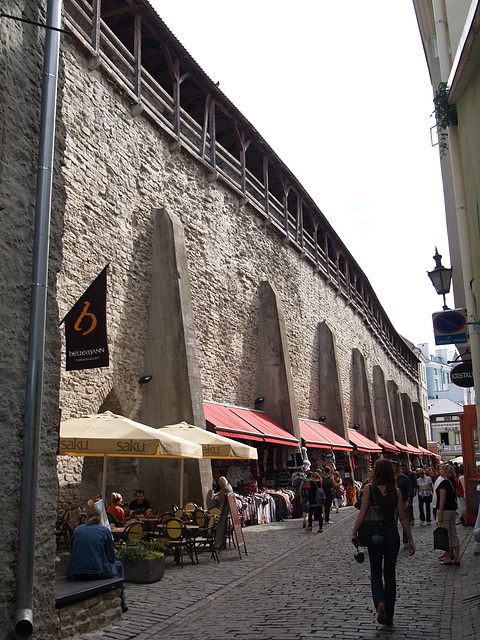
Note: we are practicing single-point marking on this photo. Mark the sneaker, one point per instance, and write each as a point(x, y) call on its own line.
point(124, 607)
point(308, 528)
point(321, 531)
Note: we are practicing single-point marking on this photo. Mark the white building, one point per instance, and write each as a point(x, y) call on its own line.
point(445, 425)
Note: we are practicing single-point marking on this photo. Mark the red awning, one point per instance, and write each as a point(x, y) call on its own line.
point(387, 446)
point(408, 448)
point(245, 424)
point(425, 452)
point(414, 450)
point(319, 436)
point(362, 443)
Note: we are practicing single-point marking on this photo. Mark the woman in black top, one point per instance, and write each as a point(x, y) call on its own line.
point(447, 510)
point(389, 498)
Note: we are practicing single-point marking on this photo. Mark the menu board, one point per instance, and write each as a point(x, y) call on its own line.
point(230, 511)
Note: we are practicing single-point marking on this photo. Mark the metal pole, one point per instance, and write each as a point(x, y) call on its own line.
point(36, 346)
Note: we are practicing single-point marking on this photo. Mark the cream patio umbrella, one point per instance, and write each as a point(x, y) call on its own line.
point(213, 445)
point(111, 436)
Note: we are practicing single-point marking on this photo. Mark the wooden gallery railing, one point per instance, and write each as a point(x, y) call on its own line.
point(305, 228)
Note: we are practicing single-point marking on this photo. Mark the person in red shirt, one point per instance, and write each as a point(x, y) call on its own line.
point(116, 508)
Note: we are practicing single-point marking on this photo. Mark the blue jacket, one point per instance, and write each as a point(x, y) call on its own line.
point(405, 486)
point(92, 552)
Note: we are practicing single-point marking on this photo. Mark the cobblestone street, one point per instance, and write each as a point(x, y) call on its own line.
point(295, 584)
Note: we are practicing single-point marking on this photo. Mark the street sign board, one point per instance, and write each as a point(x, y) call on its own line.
point(462, 375)
point(450, 327)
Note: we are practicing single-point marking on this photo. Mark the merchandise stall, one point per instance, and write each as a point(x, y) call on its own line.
point(263, 488)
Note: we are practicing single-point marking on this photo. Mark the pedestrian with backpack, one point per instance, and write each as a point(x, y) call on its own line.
point(303, 494)
point(316, 502)
point(328, 485)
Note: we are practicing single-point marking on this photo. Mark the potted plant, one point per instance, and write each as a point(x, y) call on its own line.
point(143, 562)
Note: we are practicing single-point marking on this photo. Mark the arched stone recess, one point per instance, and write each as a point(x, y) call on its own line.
point(330, 395)
point(275, 381)
point(383, 415)
point(111, 403)
point(362, 408)
point(409, 420)
point(174, 393)
point(396, 412)
point(420, 424)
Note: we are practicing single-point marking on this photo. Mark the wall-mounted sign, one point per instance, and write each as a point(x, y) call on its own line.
point(450, 327)
point(462, 375)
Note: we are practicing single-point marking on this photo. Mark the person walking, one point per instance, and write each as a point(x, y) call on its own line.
point(425, 491)
point(447, 511)
point(462, 499)
point(389, 498)
point(412, 479)
point(404, 485)
point(328, 485)
point(303, 495)
point(314, 506)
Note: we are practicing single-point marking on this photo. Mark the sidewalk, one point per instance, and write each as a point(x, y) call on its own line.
point(295, 584)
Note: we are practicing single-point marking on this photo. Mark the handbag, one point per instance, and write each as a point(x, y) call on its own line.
point(371, 529)
point(440, 538)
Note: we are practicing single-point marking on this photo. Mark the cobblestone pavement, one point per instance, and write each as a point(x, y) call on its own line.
point(295, 584)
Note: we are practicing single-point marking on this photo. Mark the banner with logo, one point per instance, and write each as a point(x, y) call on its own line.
point(86, 328)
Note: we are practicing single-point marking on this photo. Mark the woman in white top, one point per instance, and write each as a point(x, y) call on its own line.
point(425, 493)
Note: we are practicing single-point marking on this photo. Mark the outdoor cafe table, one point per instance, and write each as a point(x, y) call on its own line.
point(149, 521)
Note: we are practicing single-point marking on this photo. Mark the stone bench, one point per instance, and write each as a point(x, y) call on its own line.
point(86, 605)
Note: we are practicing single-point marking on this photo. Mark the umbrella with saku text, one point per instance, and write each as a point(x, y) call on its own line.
point(112, 436)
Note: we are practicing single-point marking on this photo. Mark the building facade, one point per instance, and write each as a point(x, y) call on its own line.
point(449, 32)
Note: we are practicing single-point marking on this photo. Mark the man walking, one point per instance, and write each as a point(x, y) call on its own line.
point(405, 487)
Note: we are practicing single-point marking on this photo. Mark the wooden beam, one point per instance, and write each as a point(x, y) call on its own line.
point(213, 133)
point(265, 185)
point(97, 12)
point(203, 142)
point(138, 53)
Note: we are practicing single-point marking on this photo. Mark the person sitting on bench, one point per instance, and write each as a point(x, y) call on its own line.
point(92, 552)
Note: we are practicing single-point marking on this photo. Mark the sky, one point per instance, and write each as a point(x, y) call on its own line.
point(341, 92)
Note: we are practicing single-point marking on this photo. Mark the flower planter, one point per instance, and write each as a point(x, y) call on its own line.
point(144, 570)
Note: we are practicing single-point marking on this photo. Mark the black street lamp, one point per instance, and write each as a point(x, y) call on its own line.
point(441, 278)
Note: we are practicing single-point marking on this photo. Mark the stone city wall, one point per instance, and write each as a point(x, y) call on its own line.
point(117, 171)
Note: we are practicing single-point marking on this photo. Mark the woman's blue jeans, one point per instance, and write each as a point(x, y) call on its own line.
point(383, 560)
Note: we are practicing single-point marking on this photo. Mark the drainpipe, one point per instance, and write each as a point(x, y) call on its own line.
point(460, 202)
point(36, 345)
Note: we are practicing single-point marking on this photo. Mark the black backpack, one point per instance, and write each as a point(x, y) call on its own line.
point(320, 496)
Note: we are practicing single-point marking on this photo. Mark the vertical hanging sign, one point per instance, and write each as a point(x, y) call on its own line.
point(86, 328)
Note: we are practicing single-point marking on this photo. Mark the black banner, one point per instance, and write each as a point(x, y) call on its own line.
point(86, 328)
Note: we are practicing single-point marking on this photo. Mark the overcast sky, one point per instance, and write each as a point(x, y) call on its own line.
point(341, 92)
